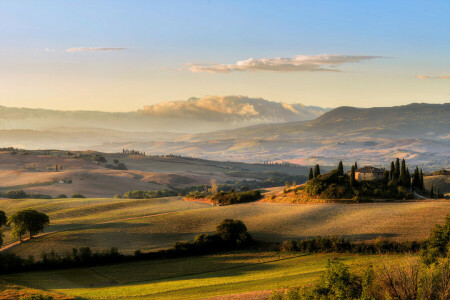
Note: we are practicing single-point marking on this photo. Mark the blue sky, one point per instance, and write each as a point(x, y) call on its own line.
point(411, 38)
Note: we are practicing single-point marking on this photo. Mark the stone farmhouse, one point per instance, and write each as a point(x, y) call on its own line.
point(368, 173)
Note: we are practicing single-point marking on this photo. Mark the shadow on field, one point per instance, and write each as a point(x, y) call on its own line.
point(363, 237)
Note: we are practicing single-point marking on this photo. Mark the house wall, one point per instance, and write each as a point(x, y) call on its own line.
point(368, 176)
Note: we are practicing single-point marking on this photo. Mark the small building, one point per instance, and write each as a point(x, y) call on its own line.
point(369, 173)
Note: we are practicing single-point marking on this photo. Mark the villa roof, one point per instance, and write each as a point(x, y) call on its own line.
point(369, 169)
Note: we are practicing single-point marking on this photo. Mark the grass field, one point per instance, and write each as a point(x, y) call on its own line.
point(190, 278)
point(158, 223)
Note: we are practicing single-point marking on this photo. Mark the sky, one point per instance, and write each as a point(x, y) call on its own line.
point(125, 55)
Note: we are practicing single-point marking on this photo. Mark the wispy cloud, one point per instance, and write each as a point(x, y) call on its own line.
point(101, 49)
point(433, 77)
point(231, 108)
point(299, 63)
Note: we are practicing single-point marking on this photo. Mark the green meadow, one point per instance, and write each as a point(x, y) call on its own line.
point(190, 278)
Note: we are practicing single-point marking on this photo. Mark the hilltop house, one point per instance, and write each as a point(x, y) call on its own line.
point(368, 173)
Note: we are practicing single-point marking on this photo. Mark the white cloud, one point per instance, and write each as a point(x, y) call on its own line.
point(433, 77)
point(101, 49)
point(310, 63)
point(231, 108)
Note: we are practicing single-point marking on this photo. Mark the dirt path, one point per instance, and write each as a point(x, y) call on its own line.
point(9, 246)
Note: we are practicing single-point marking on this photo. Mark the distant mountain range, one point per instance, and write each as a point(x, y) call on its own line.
point(191, 116)
point(419, 133)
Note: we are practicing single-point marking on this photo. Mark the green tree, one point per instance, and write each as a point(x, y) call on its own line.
point(392, 172)
point(27, 220)
point(352, 176)
point(340, 168)
point(386, 175)
point(316, 170)
point(438, 244)
point(416, 178)
point(397, 169)
point(431, 192)
point(233, 231)
point(402, 176)
point(3, 221)
point(356, 165)
point(407, 182)
point(437, 194)
point(421, 179)
point(311, 175)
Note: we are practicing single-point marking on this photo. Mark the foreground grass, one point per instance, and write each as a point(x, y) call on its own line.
point(190, 278)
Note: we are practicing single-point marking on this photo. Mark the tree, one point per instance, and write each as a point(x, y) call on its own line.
point(233, 231)
point(340, 168)
point(392, 170)
point(421, 179)
point(407, 182)
point(386, 175)
point(416, 178)
point(214, 186)
point(402, 176)
point(27, 220)
point(431, 192)
point(287, 185)
point(352, 176)
point(437, 193)
point(311, 176)
point(397, 169)
point(316, 171)
point(3, 221)
point(356, 165)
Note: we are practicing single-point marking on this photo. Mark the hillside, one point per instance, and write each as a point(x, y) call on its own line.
point(158, 223)
point(34, 172)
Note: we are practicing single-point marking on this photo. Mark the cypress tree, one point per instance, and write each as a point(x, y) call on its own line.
point(407, 182)
point(316, 171)
point(352, 176)
point(437, 192)
point(340, 168)
point(392, 170)
point(386, 175)
point(421, 179)
point(397, 169)
point(416, 178)
point(356, 165)
point(311, 176)
point(402, 176)
point(431, 192)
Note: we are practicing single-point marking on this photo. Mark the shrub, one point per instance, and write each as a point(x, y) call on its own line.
point(77, 195)
point(19, 194)
point(61, 196)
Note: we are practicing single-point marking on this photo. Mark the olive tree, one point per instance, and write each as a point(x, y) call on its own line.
point(27, 220)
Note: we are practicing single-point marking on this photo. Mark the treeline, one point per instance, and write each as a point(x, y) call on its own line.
point(330, 244)
point(133, 152)
point(21, 194)
point(435, 247)
point(205, 190)
point(230, 235)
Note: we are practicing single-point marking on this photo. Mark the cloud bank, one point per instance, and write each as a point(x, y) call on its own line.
point(433, 77)
point(101, 49)
point(300, 63)
point(231, 109)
